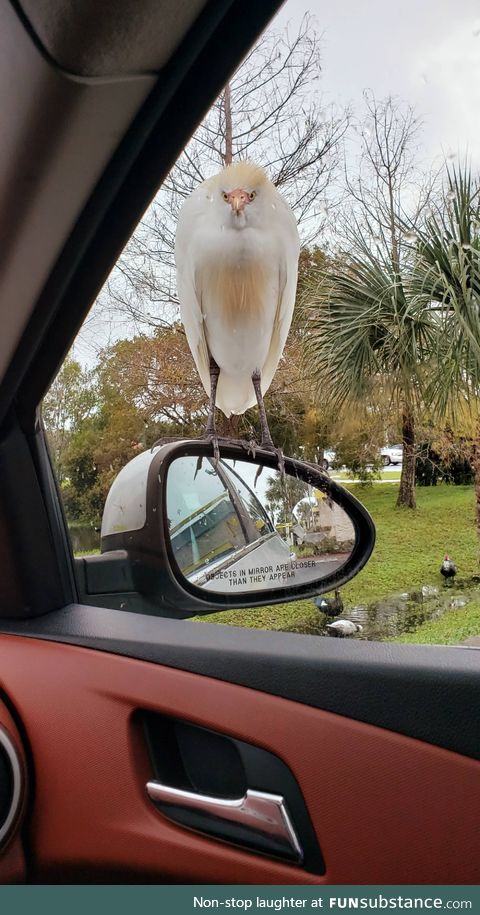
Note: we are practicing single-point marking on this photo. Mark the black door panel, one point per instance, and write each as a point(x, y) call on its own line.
point(425, 692)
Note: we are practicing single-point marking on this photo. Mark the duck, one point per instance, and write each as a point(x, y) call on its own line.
point(448, 568)
point(331, 606)
point(343, 628)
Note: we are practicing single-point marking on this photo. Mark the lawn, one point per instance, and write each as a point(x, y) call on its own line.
point(453, 627)
point(408, 554)
point(411, 544)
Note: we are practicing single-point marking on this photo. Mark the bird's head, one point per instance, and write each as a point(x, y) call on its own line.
point(239, 190)
point(446, 558)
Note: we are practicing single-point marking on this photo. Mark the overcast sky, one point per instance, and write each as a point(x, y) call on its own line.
point(426, 51)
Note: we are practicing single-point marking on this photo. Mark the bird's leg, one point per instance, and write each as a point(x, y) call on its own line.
point(267, 441)
point(210, 430)
point(214, 373)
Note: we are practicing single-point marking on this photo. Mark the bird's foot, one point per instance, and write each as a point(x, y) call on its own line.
point(225, 441)
point(269, 446)
point(251, 446)
point(266, 444)
point(212, 437)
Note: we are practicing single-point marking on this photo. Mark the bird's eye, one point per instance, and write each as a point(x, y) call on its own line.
point(225, 195)
point(252, 195)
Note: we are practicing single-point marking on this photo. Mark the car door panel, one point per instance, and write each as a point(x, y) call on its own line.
point(386, 808)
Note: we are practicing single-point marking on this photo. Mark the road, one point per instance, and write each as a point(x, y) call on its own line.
point(393, 471)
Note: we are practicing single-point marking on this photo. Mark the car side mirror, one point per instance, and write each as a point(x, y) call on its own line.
point(235, 532)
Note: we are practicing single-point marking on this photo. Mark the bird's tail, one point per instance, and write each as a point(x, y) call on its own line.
point(235, 395)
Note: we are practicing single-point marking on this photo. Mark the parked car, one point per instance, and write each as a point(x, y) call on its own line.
point(391, 454)
point(328, 460)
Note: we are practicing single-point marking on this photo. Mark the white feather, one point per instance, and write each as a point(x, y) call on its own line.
point(236, 279)
point(344, 627)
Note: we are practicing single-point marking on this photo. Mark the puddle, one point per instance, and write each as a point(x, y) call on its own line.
point(404, 612)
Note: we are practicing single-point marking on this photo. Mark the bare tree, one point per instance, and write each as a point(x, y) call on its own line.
point(271, 112)
point(386, 188)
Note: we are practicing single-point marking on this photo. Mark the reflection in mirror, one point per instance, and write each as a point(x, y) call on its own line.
point(232, 531)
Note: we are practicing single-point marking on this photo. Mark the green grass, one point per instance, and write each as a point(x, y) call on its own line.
point(411, 544)
point(453, 627)
point(408, 553)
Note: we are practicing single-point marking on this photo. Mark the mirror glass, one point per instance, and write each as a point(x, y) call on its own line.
point(233, 529)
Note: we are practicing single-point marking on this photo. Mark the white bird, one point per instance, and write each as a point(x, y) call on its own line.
point(236, 253)
point(343, 628)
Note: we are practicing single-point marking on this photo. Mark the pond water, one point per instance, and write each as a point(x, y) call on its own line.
point(401, 613)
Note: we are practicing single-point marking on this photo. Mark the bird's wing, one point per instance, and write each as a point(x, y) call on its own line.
point(289, 247)
point(189, 294)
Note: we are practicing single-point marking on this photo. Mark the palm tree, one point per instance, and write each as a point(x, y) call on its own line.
point(446, 280)
point(367, 334)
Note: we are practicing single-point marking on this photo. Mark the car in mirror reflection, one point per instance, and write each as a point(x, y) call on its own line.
point(224, 538)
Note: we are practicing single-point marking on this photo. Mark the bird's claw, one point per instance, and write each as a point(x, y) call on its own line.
point(251, 446)
point(259, 470)
point(216, 451)
point(212, 437)
point(281, 461)
point(198, 467)
point(269, 446)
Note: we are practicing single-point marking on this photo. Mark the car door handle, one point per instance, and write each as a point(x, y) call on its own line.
point(258, 820)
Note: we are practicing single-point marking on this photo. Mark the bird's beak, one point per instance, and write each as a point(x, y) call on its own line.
point(237, 200)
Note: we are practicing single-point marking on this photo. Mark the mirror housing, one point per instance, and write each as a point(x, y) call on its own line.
point(136, 525)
